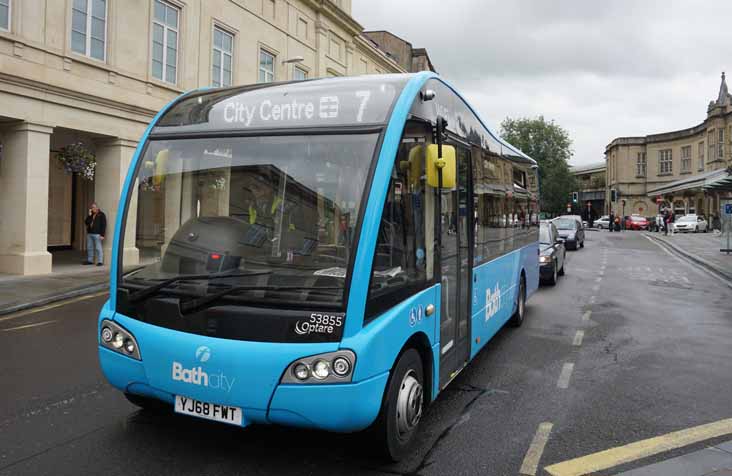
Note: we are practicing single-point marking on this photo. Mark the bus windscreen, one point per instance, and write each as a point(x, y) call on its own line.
point(271, 218)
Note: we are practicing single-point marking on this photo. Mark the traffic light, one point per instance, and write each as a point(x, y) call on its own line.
point(613, 195)
point(575, 197)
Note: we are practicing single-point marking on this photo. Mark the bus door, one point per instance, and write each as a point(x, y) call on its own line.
point(456, 259)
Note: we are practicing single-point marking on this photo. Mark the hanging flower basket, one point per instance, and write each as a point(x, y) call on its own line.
point(78, 160)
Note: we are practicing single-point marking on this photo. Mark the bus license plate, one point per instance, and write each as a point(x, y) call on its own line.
point(209, 411)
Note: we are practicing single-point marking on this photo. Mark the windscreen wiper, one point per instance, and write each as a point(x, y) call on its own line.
point(204, 301)
point(155, 288)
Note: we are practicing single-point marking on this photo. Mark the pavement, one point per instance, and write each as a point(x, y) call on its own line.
point(703, 248)
point(622, 366)
point(19, 293)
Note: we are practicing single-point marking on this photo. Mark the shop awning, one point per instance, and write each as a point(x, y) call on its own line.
point(721, 183)
point(714, 180)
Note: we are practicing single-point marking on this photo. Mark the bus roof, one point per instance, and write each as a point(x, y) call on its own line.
point(318, 103)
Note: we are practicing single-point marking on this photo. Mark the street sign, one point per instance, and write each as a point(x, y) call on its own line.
point(726, 222)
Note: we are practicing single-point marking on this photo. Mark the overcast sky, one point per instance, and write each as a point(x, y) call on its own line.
point(601, 69)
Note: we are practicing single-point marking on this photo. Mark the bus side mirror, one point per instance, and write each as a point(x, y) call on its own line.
point(446, 163)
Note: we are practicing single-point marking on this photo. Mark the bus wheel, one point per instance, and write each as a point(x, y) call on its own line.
point(402, 408)
point(518, 317)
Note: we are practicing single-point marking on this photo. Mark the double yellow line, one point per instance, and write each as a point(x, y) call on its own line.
point(36, 310)
point(640, 449)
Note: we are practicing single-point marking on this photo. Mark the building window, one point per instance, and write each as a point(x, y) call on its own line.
point(266, 66)
point(299, 74)
point(701, 156)
point(302, 28)
point(88, 27)
point(165, 42)
point(640, 165)
point(269, 9)
point(221, 60)
point(686, 158)
point(364, 66)
point(336, 50)
point(5, 15)
point(665, 161)
point(720, 144)
point(712, 144)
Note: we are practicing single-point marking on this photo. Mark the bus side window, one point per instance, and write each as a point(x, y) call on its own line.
point(403, 260)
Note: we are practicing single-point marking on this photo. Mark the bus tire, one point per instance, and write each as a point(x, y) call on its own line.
point(518, 317)
point(146, 403)
point(401, 409)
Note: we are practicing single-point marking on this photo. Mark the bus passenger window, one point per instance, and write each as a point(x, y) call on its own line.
point(403, 263)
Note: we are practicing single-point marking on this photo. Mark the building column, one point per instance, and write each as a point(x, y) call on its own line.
point(321, 45)
point(350, 66)
point(113, 160)
point(24, 173)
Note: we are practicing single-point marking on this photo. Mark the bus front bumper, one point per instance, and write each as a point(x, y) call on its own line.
point(347, 407)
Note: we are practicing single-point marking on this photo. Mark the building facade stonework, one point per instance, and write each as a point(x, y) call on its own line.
point(591, 182)
point(686, 170)
point(97, 71)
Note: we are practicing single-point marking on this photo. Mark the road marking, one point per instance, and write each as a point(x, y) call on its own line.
point(597, 280)
point(566, 374)
point(536, 449)
point(578, 338)
point(596, 287)
point(592, 299)
point(52, 306)
point(640, 449)
point(27, 326)
point(586, 315)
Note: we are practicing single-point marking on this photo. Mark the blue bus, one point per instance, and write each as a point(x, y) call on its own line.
point(326, 254)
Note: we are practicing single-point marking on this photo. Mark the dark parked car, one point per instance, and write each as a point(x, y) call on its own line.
point(552, 253)
point(571, 231)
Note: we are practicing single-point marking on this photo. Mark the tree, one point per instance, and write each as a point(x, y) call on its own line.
point(550, 145)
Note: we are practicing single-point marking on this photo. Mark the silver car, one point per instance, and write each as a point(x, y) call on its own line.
point(693, 223)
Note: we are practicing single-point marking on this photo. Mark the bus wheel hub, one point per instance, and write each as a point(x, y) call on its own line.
point(409, 404)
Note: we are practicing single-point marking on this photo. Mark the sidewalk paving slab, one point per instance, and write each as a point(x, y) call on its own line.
point(18, 293)
point(703, 248)
point(704, 462)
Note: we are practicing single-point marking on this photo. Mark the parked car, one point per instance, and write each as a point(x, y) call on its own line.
point(636, 222)
point(571, 231)
point(693, 223)
point(603, 222)
point(552, 253)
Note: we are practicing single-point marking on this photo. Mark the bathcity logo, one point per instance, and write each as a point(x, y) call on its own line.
point(198, 376)
point(203, 353)
point(492, 302)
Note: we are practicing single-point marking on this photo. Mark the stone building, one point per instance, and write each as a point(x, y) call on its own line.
point(591, 181)
point(401, 51)
point(689, 170)
point(96, 71)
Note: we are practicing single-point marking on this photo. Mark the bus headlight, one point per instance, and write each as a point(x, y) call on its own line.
point(331, 367)
point(118, 339)
point(301, 371)
point(341, 366)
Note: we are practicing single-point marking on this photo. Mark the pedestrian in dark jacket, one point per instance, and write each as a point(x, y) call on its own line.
point(96, 227)
point(612, 221)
